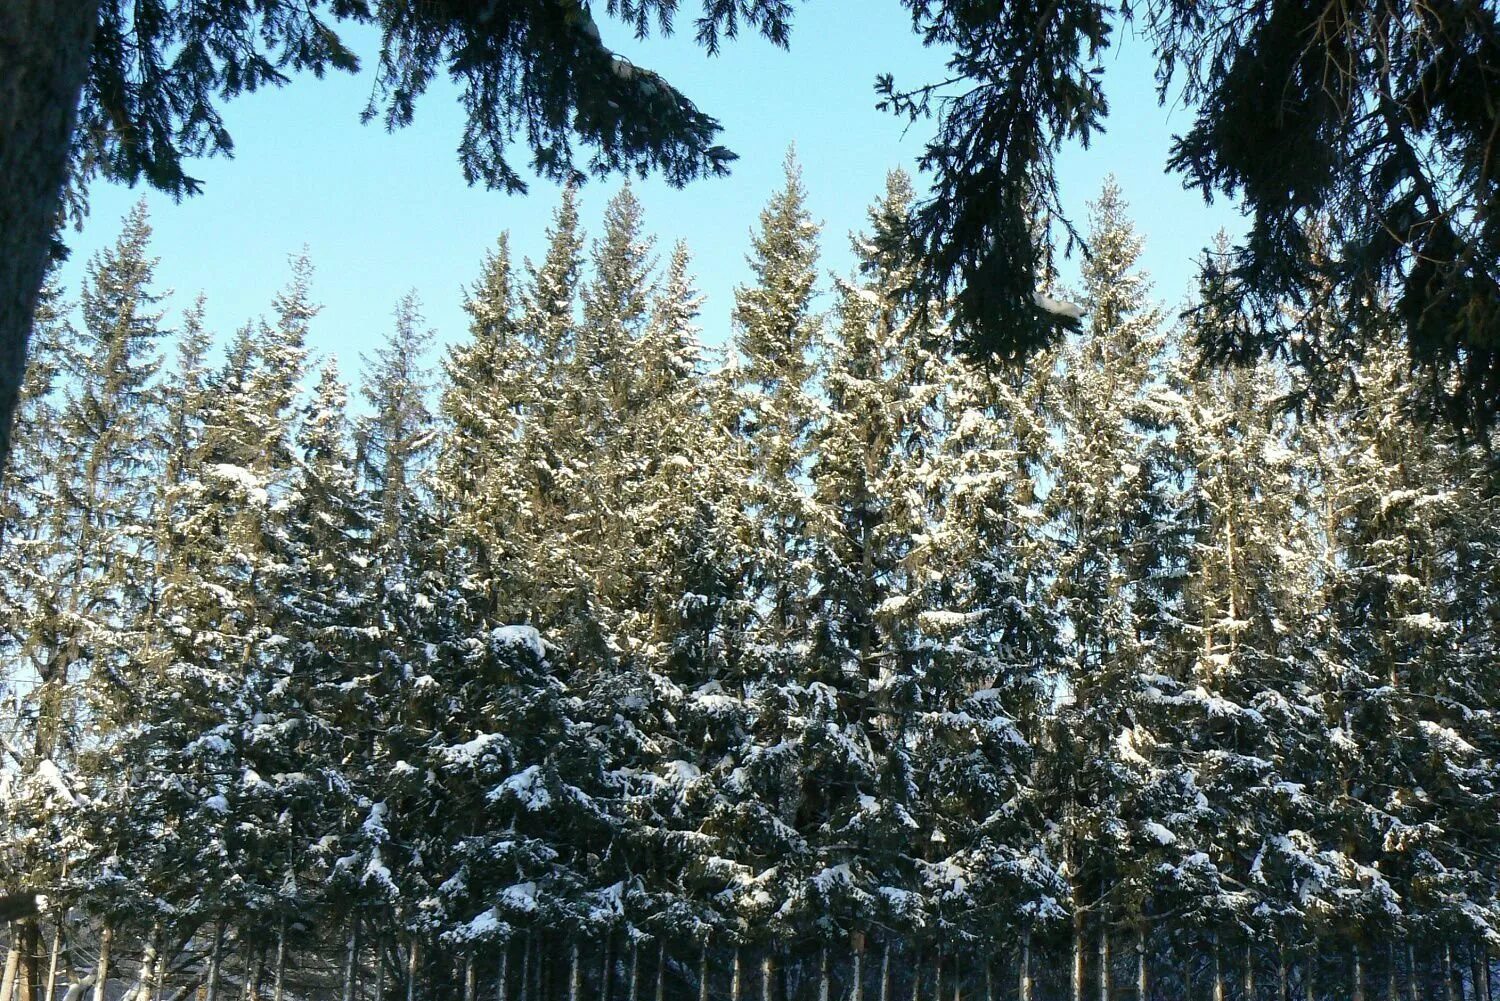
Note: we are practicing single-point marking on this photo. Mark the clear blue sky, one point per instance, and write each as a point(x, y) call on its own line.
point(381, 213)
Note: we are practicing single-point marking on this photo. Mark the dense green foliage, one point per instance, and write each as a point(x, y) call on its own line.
point(589, 658)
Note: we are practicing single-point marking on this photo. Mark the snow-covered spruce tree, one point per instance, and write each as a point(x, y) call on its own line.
point(776, 332)
point(480, 484)
point(766, 819)
point(185, 745)
point(1103, 513)
point(1409, 777)
point(88, 573)
point(1235, 682)
point(320, 717)
point(866, 505)
point(982, 685)
point(396, 436)
point(41, 724)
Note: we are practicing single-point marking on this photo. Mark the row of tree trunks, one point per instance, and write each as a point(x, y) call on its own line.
point(1465, 973)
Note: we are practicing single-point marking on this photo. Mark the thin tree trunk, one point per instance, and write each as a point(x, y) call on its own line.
point(575, 974)
point(1309, 975)
point(1411, 971)
point(1249, 972)
point(500, 974)
point(1283, 989)
point(1358, 974)
point(215, 957)
point(1023, 971)
point(958, 979)
point(351, 967)
point(661, 973)
point(1142, 971)
point(822, 974)
point(703, 972)
point(635, 971)
point(857, 963)
point(734, 979)
point(379, 948)
point(12, 964)
point(885, 971)
point(989, 980)
point(47, 45)
point(937, 975)
point(471, 983)
point(142, 989)
point(278, 975)
point(55, 957)
point(1104, 945)
point(1219, 993)
point(1476, 967)
point(252, 980)
point(1448, 972)
point(525, 969)
point(1076, 981)
point(767, 975)
point(1392, 992)
point(916, 979)
point(606, 973)
point(413, 958)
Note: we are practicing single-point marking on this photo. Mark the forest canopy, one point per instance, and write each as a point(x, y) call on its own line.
point(587, 657)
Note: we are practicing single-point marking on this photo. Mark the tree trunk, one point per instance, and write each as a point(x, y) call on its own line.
point(1283, 989)
point(252, 979)
point(142, 989)
point(734, 978)
point(1358, 973)
point(12, 964)
point(989, 981)
point(1104, 961)
point(413, 959)
point(1218, 969)
point(958, 980)
point(278, 975)
point(885, 971)
point(1142, 971)
point(215, 955)
point(822, 974)
point(1411, 971)
point(46, 45)
point(767, 974)
point(916, 979)
point(471, 983)
point(55, 956)
point(703, 972)
point(500, 974)
point(351, 967)
point(379, 948)
point(575, 974)
point(101, 972)
point(1448, 972)
point(661, 973)
point(1023, 971)
point(606, 972)
point(937, 975)
point(31, 960)
point(1309, 975)
point(1392, 993)
point(1076, 980)
point(857, 967)
point(525, 969)
point(1249, 972)
point(635, 971)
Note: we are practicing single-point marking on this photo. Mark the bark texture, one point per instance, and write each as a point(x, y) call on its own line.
point(44, 57)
